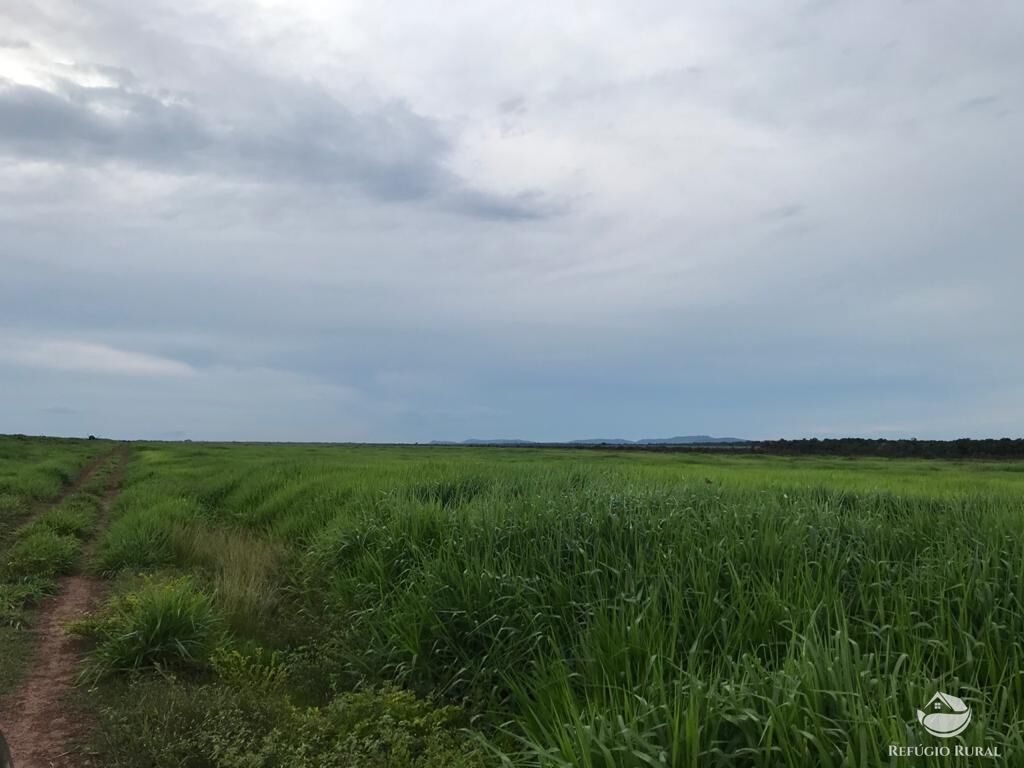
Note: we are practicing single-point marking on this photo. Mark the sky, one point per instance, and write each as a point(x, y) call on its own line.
point(348, 220)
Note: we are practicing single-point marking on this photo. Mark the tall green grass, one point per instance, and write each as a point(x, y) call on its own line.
point(610, 610)
point(800, 626)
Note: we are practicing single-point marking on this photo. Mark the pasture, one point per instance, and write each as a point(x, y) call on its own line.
point(317, 605)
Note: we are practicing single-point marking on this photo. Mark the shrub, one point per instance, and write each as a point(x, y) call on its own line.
point(385, 728)
point(166, 723)
point(259, 671)
point(171, 723)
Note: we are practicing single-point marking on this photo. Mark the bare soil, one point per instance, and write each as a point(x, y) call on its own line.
point(40, 727)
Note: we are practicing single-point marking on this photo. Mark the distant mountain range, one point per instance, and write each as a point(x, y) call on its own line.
point(678, 440)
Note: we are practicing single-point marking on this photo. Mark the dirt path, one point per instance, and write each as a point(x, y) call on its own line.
point(83, 476)
point(39, 728)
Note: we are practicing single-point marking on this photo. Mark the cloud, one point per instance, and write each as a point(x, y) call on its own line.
point(790, 211)
point(981, 102)
point(60, 410)
point(643, 219)
point(299, 135)
point(84, 357)
point(78, 123)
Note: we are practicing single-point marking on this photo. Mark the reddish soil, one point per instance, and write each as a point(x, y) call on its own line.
point(40, 729)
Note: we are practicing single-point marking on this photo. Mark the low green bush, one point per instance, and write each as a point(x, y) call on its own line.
point(169, 723)
point(259, 671)
point(386, 728)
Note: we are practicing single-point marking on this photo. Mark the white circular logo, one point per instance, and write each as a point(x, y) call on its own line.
point(945, 716)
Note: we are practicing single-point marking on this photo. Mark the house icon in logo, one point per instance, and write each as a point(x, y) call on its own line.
point(945, 716)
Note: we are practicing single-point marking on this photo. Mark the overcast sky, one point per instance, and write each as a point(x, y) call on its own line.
point(328, 220)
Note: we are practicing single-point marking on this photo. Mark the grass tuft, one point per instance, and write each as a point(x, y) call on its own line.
point(40, 554)
point(169, 625)
point(143, 537)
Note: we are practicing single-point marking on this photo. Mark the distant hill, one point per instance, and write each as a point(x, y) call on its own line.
point(499, 441)
point(601, 441)
point(473, 441)
point(679, 440)
point(689, 440)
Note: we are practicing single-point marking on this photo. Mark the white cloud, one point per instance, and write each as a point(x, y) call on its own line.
point(58, 354)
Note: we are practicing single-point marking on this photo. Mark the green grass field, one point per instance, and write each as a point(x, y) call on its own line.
point(310, 606)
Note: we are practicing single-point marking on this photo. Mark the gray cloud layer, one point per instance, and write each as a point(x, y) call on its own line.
point(334, 220)
point(303, 136)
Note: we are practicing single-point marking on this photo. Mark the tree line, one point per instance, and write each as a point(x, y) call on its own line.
point(963, 448)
